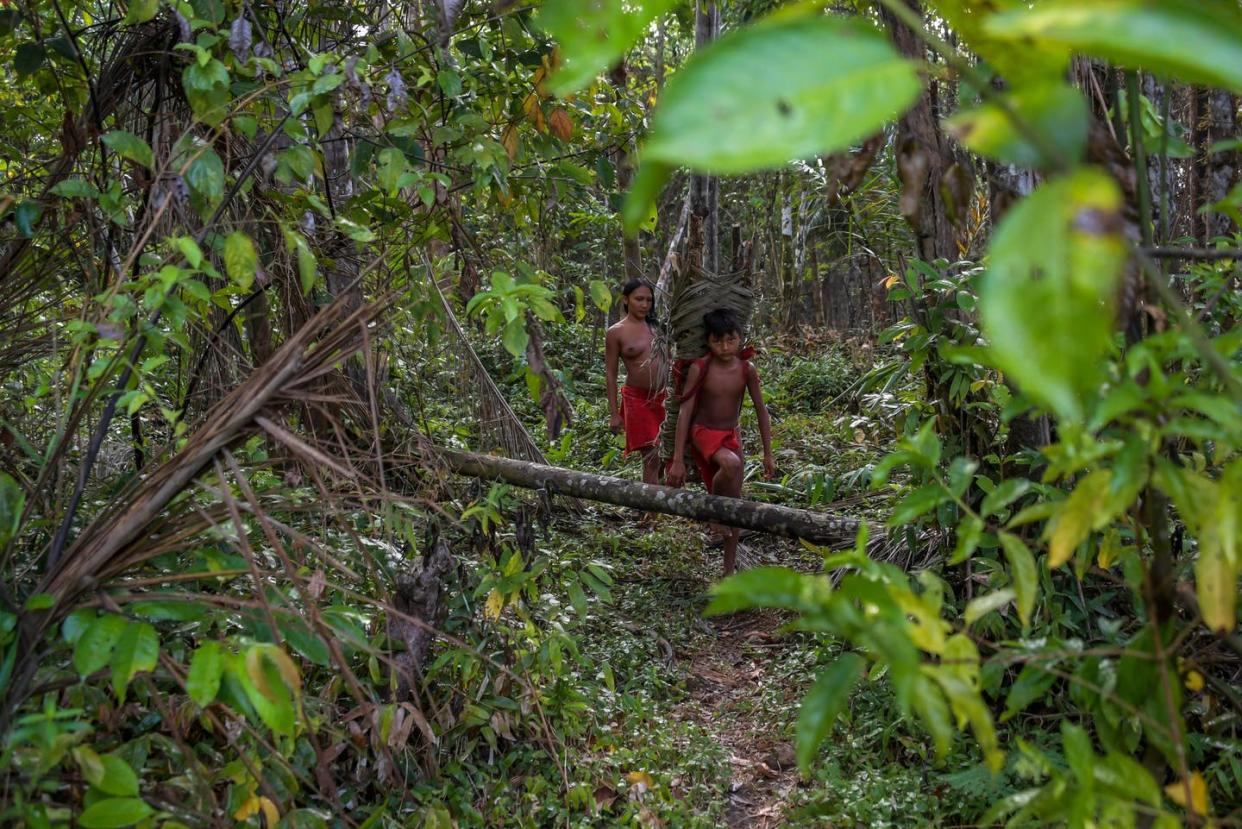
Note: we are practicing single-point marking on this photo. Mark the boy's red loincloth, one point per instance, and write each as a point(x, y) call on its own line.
point(706, 442)
point(642, 416)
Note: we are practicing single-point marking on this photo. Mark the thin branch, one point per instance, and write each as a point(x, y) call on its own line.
point(1204, 254)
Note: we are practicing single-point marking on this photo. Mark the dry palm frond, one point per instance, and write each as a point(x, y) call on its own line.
point(99, 552)
point(499, 426)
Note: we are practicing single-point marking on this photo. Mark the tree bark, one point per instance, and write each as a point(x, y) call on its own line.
point(734, 512)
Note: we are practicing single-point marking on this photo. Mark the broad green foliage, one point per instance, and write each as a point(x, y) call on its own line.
point(1194, 40)
point(839, 81)
point(1046, 302)
point(1056, 112)
point(593, 35)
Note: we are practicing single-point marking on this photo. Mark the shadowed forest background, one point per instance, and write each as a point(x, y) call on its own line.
point(300, 303)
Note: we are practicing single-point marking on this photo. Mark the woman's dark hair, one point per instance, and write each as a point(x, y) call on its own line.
point(721, 322)
point(632, 286)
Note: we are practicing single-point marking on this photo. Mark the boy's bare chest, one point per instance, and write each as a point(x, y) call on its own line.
point(725, 382)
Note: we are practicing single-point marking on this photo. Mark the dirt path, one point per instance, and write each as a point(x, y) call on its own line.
point(736, 692)
point(726, 685)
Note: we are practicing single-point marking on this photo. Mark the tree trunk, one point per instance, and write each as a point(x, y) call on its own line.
point(705, 190)
point(923, 155)
point(734, 512)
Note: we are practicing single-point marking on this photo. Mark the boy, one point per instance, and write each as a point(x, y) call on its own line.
point(710, 409)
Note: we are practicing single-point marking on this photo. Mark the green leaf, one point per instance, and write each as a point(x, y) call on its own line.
point(25, 215)
point(207, 89)
point(600, 295)
point(128, 145)
point(577, 597)
point(824, 703)
point(920, 501)
point(983, 605)
point(91, 764)
point(296, 242)
point(39, 601)
point(205, 178)
point(1024, 573)
point(933, 710)
point(94, 647)
point(137, 649)
point(114, 813)
point(515, 337)
point(75, 188)
point(118, 778)
point(840, 81)
point(640, 199)
point(768, 587)
point(968, 705)
point(1032, 684)
point(1056, 113)
point(202, 682)
point(969, 534)
point(28, 58)
point(1199, 41)
point(240, 259)
point(1046, 301)
point(140, 11)
point(1078, 752)
point(190, 250)
point(1006, 492)
point(12, 504)
point(449, 82)
point(593, 35)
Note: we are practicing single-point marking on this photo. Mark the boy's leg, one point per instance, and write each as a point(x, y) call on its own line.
point(728, 482)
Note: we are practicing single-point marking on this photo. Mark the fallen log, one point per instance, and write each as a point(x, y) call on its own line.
point(817, 527)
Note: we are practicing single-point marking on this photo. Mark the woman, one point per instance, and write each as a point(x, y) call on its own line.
point(640, 409)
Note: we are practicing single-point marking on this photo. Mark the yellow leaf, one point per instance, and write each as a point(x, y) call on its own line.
point(271, 815)
point(640, 780)
point(1198, 793)
point(495, 604)
point(1194, 681)
point(890, 281)
point(1216, 571)
point(530, 104)
point(247, 809)
point(1081, 512)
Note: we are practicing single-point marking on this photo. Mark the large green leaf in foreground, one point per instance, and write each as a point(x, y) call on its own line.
point(1194, 40)
point(782, 89)
point(593, 35)
point(788, 87)
point(1047, 299)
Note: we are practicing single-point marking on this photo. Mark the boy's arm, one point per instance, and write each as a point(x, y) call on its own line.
point(765, 422)
point(685, 414)
point(612, 355)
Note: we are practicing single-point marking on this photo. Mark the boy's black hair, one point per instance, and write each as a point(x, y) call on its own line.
point(632, 286)
point(721, 322)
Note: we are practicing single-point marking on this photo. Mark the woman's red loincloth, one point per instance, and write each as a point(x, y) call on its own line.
point(642, 415)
